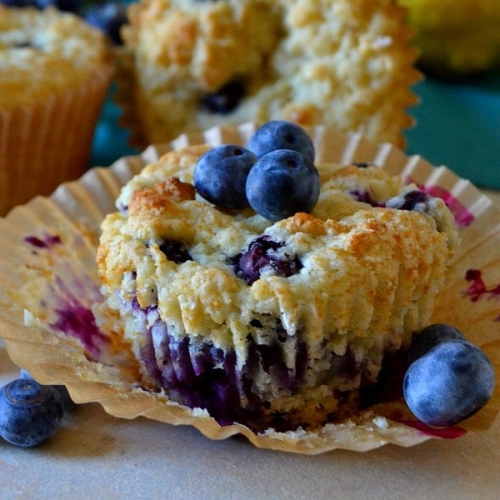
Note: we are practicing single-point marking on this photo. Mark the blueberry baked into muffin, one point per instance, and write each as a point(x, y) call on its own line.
point(189, 65)
point(259, 314)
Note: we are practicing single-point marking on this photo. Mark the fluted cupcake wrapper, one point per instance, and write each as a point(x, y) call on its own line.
point(45, 144)
point(54, 328)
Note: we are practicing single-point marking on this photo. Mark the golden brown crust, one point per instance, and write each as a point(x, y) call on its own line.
point(46, 53)
point(305, 223)
point(160, 196)
point(339, 63)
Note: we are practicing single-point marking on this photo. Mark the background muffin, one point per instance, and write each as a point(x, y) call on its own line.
point(189, 65)
point(54, 73)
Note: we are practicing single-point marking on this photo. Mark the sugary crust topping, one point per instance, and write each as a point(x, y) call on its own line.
point(336, 62)
point(364, 269)
point(46, 52)
point(158, 197)
point(178, 163)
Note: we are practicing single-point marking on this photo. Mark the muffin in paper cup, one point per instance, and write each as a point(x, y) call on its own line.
point(55, 72)
point(187, 66)
point(52, 332)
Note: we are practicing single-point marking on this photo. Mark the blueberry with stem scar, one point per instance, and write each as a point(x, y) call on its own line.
point(30, 413)
point(220, 175)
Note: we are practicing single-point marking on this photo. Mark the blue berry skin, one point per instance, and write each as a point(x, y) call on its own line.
point(279, 134)
point(281, 184)
point(220, 175)
point(68, 403)
point(30, 413)
point(429, 337)
point(108, 17)
point(18, 3)
point(64, 5)
point(450, 383)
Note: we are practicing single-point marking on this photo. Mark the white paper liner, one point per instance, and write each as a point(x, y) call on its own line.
point(74, 213)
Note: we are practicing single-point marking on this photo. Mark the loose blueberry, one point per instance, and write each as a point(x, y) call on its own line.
point(220, 175)
point(108, 17)
point(429, 337)
point(225, 100)
point(279, 134)
point(282, 183)
point(30, 413)
point(449, 384)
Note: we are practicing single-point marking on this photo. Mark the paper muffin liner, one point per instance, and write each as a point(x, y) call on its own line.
point(49, 286)
point(45, 144)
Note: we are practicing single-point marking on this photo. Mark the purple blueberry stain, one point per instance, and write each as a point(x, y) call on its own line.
point(198, 374)
point(477, 288)
point(70, 305)
point(122, 208)
point(75, 320)
point(45, 242)
point(438, 432)
point(463, 217)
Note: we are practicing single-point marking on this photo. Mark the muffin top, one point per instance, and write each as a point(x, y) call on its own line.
point(45, 52)
point(201, 265)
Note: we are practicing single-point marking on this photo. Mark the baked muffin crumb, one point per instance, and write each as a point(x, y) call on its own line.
point(331, 294)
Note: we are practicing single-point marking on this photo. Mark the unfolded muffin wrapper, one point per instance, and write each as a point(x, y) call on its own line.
point(49, 287)
point(45, 144)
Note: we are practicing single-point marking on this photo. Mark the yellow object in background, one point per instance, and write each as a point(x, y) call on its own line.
point(456, 37)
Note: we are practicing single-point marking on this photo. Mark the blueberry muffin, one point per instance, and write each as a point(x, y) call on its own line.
point(271, 324)
point(54, 73)
point(189, 65)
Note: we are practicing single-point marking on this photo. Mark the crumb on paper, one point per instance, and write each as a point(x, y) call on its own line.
point(381, 422)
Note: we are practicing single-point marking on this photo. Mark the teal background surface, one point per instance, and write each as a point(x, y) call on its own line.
point(457, 125)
